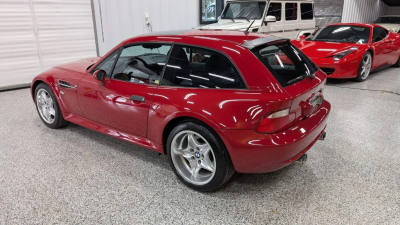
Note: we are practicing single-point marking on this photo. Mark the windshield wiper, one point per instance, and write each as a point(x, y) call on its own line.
point(311, 76)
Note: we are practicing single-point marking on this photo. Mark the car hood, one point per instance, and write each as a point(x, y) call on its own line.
point(79, 66)
point(318, 49)
point(390, 26)
point(237, 25)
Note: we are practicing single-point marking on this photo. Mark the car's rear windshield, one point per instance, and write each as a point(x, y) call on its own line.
point(286, 62)
point(388, 19)
point(244, 10)
point(342, 33)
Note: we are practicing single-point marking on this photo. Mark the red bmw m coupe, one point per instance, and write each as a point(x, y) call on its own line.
point(215, 102)
point(351, 50)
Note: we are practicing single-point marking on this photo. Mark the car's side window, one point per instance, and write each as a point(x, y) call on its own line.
point(108, 63)
point(275, 9)
point(201, 68)
point(291, 11)
point(142, 63)
point(378, 34)
point(307, 12)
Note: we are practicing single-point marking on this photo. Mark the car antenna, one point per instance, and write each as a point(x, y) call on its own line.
point(247, 30)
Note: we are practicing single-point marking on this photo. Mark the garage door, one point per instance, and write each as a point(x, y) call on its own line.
point(36, 35)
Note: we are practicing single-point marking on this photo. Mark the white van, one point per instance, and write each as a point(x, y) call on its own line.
point(283, 18)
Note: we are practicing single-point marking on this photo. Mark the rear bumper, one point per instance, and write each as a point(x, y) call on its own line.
point(252, 152)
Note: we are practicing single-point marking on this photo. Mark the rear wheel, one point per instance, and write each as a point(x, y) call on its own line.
point(198, 157)
point(365, 67)
point(397, 64)
point(48, 108)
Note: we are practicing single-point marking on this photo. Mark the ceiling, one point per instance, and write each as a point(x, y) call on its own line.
point(391, 2)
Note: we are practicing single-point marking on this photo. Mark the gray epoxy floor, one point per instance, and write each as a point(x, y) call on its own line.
point(77, 176)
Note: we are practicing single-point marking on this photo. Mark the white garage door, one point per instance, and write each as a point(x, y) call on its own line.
point(36, 35)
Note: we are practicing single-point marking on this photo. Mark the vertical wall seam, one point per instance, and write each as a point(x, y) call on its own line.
point(96, 39)
point(35, 31)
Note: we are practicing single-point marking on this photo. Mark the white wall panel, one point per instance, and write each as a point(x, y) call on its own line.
point(117, 20)
point(36, 35)
point(363, 11)
point(19, 58)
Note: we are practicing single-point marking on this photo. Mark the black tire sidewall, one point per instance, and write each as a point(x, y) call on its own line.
point(220, 153)
point(359, 78)
point(58, 115)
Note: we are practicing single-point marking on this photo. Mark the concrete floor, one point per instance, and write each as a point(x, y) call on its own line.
point(77, 176)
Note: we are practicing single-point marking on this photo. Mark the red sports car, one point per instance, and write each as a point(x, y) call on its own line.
point(351, 50)
point(214, 101)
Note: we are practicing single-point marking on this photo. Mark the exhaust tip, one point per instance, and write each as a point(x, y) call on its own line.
point(302, 159)
point(322, 137)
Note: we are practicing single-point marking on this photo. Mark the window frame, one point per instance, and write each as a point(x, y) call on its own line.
point(297, 11)
point(266, 10)
point(312, 6)
point(92, 70)
point(383, 29)
point(246, 87)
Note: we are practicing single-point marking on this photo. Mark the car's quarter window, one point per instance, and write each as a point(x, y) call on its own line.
point(307, 12)
point(142, 63)
point(201, 68)
point(107, 63)
point(291, 11)
point(378, 34)
point(275, 9)
point(286, 63)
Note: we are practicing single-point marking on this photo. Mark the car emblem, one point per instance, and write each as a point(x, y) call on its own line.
point(197, 155)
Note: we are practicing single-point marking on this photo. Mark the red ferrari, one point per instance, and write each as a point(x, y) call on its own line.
point(215, 102)
point(351, 50)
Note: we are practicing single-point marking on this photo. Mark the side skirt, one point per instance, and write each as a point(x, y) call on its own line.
point(137, 140)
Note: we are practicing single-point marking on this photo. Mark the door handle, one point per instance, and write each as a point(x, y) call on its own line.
point(137, 98)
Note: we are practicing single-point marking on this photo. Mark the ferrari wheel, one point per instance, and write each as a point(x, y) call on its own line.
point(198, 157)
point(365, 67)
point(47, 107)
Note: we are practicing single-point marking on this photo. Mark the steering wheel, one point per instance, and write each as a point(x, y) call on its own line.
point(353, 38)
point(141, 60)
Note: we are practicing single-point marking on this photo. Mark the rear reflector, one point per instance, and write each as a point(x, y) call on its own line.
point(276, 121)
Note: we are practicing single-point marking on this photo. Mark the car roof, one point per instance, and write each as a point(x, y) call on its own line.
point(248, 40)
point(391, 16)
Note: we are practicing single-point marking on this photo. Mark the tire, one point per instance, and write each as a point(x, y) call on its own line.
point(198, 157)
point(364, 68)
point(397, 64)
point(48, 108)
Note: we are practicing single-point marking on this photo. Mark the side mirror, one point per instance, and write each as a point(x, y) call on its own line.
point(303, 37)
point(270, 19)
point(99, 75)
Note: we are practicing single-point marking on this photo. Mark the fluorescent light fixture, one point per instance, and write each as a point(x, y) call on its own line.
point(222, 77)
point(199, 77)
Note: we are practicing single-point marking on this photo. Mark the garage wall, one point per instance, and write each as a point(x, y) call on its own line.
point(363, 11)
point(118, 20)
point(328, 11)
point(393, 11)
point(36, 35)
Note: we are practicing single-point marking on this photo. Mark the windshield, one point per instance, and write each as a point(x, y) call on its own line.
point(387, 19)
point(342, 33)
point(286, 62)
point(244, 10)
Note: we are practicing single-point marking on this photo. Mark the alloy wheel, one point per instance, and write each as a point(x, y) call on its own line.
point(366, 66)
point(193, 157)
point(45, 106)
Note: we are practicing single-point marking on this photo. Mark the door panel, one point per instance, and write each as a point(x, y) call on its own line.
point(110, 103)
point(291, 20)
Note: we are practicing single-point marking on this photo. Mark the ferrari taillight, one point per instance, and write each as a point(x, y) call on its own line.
point(277, 121)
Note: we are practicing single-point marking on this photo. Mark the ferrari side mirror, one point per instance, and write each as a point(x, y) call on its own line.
point(303, 37)
point(100, 75)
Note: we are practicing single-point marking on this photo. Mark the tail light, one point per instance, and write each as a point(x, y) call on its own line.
point(277, 121)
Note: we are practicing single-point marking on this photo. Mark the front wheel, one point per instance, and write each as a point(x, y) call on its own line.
point(47, 107)
point(365, 67)
point(198, 157)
